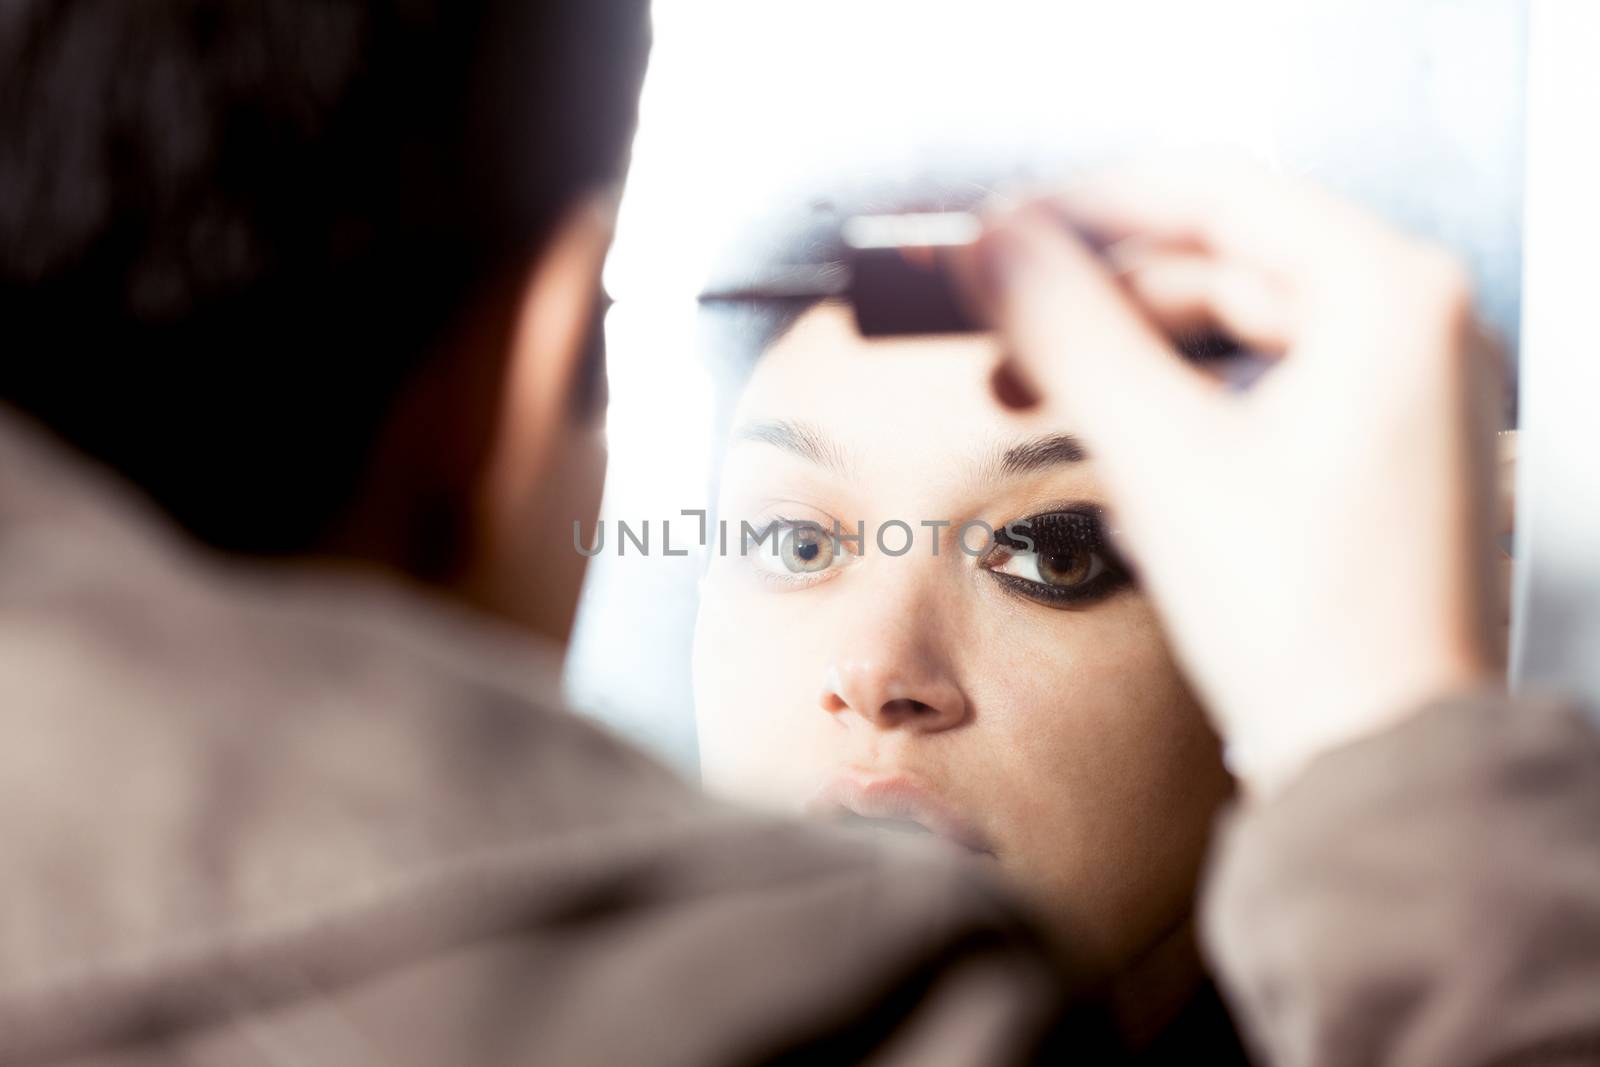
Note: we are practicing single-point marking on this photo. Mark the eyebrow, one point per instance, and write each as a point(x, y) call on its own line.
point(801, 439)
point(810, 443)
point(1036, 454)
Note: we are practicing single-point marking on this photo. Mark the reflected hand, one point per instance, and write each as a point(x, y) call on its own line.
point(1320, 548)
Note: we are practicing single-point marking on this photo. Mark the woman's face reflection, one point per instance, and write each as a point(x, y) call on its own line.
point(1017, 699)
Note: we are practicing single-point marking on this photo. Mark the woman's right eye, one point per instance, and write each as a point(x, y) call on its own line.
point(1058, 559)
point(797, 551)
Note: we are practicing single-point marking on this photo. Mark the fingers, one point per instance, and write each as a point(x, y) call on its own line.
point(1187, 292)
point(1232, 209)
point(1275, 261)
point(1077, 337)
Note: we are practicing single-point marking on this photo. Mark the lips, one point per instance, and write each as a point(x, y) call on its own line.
point(895, 804)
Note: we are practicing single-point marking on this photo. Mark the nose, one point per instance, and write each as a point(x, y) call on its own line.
point(893, 693)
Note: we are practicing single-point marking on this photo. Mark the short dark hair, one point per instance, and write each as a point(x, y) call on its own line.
point(232, 230)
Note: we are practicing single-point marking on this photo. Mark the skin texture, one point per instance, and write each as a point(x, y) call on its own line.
point(1063, 735)
point(491, 431)
point(548, 460)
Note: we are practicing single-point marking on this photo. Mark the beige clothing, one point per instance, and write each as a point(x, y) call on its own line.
point(258, 815)
point(1427, 897)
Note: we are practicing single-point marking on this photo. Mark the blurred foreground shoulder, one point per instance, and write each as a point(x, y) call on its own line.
point(266, 815)
point(1429, 895)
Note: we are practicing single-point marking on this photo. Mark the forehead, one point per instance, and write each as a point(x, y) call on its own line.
point(879, 393)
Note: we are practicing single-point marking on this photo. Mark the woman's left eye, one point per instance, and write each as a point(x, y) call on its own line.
point(1057, 558)
point(797, 552)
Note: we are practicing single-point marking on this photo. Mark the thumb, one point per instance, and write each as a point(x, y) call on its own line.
point(1079, 341)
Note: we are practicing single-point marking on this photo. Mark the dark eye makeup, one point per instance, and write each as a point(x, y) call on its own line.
point(1060, 558)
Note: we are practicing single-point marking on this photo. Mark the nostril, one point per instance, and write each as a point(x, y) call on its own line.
point(886, 696)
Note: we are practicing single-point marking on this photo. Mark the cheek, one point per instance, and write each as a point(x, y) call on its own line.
point(1095, 664)
point(1112, 773)
point(1095, 697)
point(758, 672)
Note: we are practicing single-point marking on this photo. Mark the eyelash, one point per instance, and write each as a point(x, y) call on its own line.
point(1086, 532)
point(790, 579)
point(1089, 535)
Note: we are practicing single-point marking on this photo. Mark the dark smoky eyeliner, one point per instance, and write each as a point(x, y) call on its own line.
point(1088, 518)
point(1077, 526)
point(1100, 588)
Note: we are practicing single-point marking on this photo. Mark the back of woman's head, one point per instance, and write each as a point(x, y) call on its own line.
point(230, 231)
